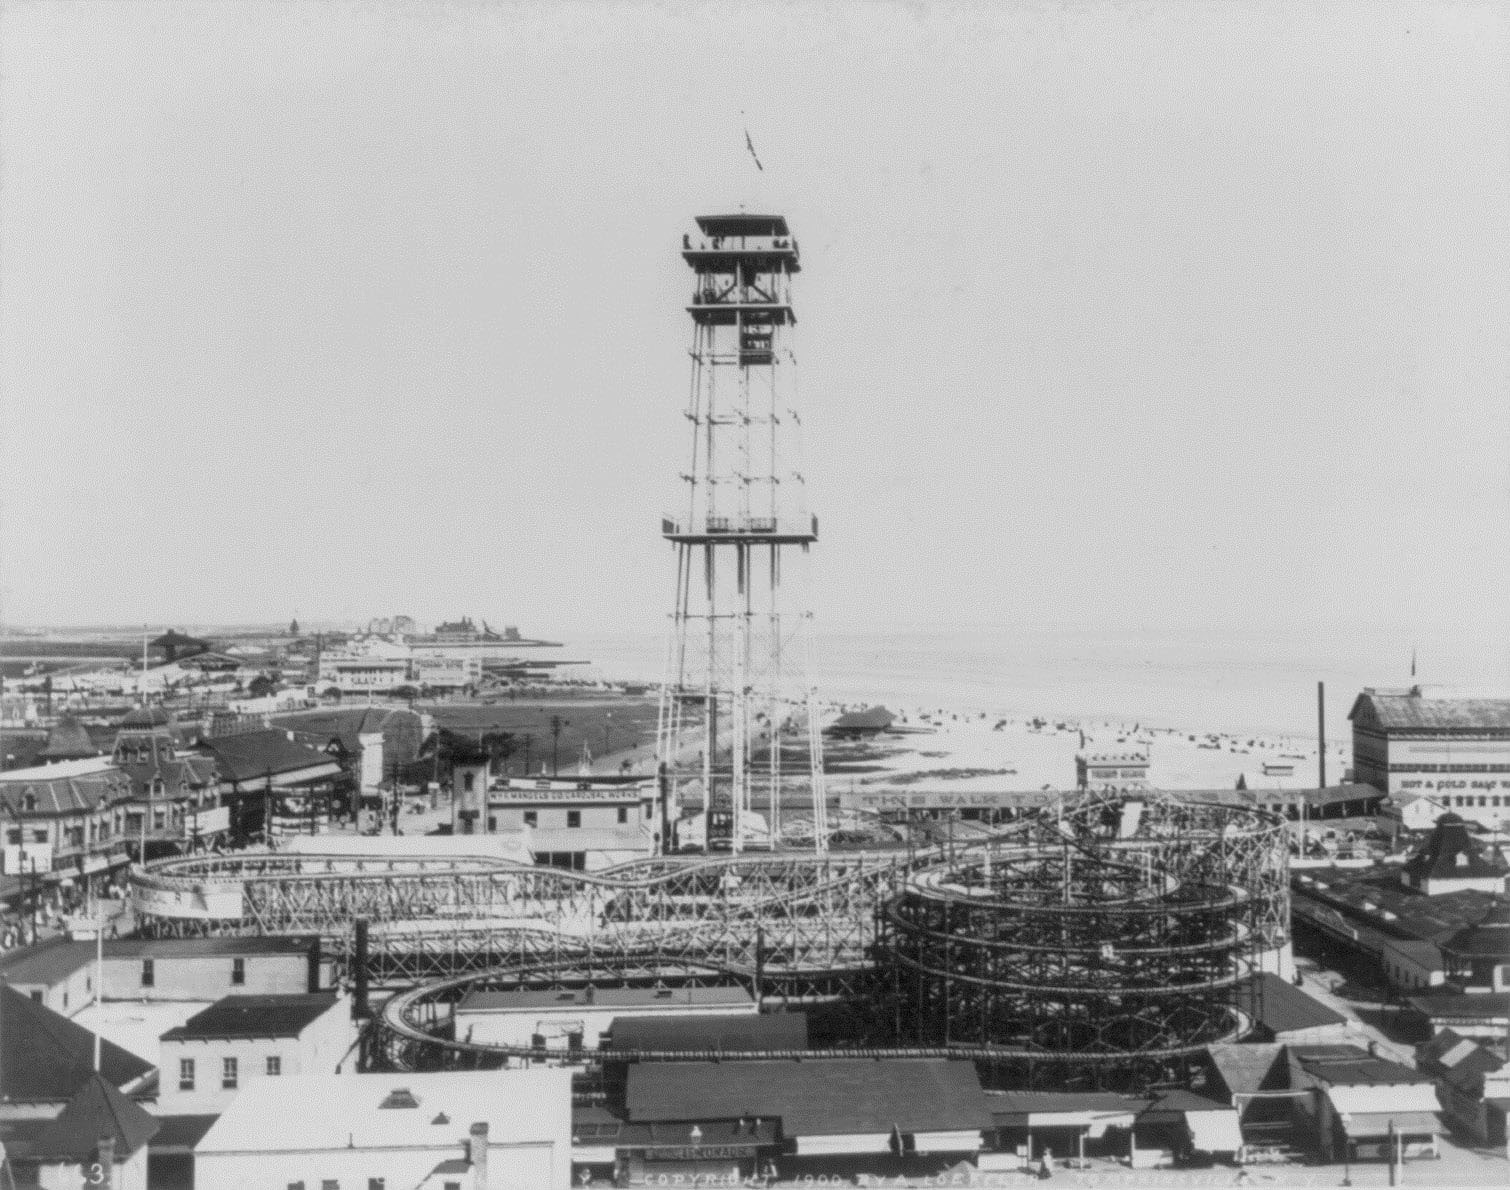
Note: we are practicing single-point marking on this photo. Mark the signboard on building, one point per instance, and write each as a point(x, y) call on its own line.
point(891, 800)
point(27, 857)
point(207, 822)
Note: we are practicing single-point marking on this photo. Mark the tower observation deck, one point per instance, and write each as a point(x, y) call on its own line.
point(737, 696)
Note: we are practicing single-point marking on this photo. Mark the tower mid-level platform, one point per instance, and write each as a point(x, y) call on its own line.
point(754, 530)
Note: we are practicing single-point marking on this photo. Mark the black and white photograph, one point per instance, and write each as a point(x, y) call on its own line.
point(784, 594)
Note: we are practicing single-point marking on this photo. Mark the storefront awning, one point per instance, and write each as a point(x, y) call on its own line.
point(1376, 1124)
point(1214, 1131)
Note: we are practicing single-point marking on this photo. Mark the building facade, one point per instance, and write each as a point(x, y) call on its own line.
point(1453, 750)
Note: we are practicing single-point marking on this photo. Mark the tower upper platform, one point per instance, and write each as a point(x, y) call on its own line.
point(761, 243)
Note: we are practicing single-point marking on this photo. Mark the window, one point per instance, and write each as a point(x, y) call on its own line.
point(531, 818)
point(374, 1184)
point(238, 971)
point(274, 1065)
point(296, 1186)
point(149, 975)
point(623, 815)
point(574, 818)
point(39, 836)
point(186, 1074)
point(36, 995)
point(330, 1184)
point(648, 810)
point(468, 782)
point(228, 1074)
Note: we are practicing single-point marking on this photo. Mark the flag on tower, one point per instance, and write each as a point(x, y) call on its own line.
point(749, 144)
point(1412, 663)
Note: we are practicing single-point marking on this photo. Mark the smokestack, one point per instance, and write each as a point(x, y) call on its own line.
point(1321, 732)
point(314, 964)
point(105, 1153)
point(479, 1154)
point(360, 1011)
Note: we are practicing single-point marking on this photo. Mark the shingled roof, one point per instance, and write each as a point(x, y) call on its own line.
point(61, 791)
point(45, 1057)
point(1407, 710)
point(68, 740)
point(1488, 938)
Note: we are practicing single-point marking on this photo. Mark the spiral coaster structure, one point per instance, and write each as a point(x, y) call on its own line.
point(1101, 942)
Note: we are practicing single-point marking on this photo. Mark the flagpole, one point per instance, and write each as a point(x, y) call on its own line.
point(99, 974)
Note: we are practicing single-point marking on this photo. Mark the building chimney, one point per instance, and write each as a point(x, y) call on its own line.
point(360, 1011)
point(479, 1155)
point(315, 958)
point(1321, 731)
point(105, 1154)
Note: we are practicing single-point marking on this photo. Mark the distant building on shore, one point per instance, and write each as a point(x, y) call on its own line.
point(1118, 769)
point(1456, 751)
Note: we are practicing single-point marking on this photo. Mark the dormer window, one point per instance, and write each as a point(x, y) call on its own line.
point(29, 802)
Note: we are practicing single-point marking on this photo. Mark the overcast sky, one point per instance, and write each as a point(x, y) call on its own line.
point(1161, 317)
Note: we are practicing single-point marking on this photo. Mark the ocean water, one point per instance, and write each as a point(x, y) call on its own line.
point(1252, 683)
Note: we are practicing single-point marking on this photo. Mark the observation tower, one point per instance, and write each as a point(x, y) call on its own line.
point(737, 687)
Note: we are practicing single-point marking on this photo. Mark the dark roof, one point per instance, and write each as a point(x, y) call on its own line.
point(96, 1110)
point(773, 1031)
point(45, 1057)
point(1407, 710)
point(1359, 1071)
point(63, 795)
point(1170, 1107)
point(1451, 853)
point(1471, 1006)
point(144, 717)
point(741, 225)
point(177, 639)
point(180, 775)
point(1489, 938)
point(842, 1096)
point(1007, 1104)
point(68, 740)
point(46, 962)
point(179, 1134)
point(254, 1016)
point(255, 754)
point(163, 948)
point(1280, 1007)
point(869, 719)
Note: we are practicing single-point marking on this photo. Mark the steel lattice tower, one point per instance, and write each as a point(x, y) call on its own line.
point(738, 645)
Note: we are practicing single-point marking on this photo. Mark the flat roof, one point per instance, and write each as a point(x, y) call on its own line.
point(677, 1032)
point(254, 1016)
point(576, 999)
point(742, 225)
point(322, 1113)
point(840, 1097)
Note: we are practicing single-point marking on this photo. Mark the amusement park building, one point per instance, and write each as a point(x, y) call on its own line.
point(1455, 750)
point(496, 1130)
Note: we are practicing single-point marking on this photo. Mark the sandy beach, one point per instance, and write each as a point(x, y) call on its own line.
point(940, 748)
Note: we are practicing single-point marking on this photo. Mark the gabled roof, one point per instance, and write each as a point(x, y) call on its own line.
point(44, 1056)
point(838, 1097)
point(180, 776)
point(1244, 1069)
point(254, 1016)
point(773, 1031)
point(1172, 1106)
point(1406, 710)
point(96, 1110)
point(255, 754)
point(1281, 1007)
